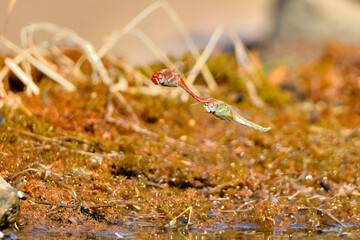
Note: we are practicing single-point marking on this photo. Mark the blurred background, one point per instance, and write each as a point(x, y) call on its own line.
point(276, 27)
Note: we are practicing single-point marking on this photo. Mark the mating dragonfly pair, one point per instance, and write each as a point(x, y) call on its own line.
point(219, 109)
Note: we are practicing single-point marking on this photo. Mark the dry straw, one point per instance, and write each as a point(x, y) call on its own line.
point(62, 70)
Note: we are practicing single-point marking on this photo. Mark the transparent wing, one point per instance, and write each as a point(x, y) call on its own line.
point(198, 107)
point(179, 66)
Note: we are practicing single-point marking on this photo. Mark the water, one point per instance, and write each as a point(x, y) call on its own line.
point(220, 231)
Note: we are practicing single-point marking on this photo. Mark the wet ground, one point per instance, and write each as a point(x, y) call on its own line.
point(91, 176)
point(225, 232)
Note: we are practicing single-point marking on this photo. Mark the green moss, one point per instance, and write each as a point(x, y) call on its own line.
point(226, 172)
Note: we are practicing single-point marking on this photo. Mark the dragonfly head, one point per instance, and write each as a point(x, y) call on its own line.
point(157, 78)
point(210, 107)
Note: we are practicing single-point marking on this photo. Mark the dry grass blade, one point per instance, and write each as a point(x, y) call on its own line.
point(65, 60)
point(22, 76)
point(121, 84)
point(241, 55)
point(2, 90)
point(131, 111)
point(8, 13)
point(135, 127)
point(88, 48)
point(152, 46)
point(13, 101)
point(20, 57)
point(41, 67)
point(190, 43)
point(243, 61)
point(254, 97)
point(140, 79)
point(36, 136)
point(62, 33)
point(139, 129)
point(96, 62)
point(119, 34)
point(173, 221)
point(67, 65)
point(3, 73)
point(205, 55)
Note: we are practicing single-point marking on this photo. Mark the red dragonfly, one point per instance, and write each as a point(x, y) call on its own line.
point(170, 78)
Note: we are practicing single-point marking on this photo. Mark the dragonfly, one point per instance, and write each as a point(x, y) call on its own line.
point(223, 111)
point(170, 78)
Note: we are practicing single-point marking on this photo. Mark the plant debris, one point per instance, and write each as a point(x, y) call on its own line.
point(82, 170)
point(97, 148)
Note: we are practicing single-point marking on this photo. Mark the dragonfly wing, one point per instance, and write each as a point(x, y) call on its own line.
point(243, 121)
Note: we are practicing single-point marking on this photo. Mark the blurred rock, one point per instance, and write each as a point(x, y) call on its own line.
point(9, 204)
point(304, 27)
point(320, 20)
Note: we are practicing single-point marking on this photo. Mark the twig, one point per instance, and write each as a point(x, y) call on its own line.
point(157, 185)
point(74, 138)
point(41, 138)
point(83, 210)
point(173, 221)
point(95, 154)
point(61, 141)
point(15, 175)
point(36, 136)
point(244, 205)
point(53, 204)
point(317, 197)
point(44, 147)
point(71, 191)
point(323, 211)
point(141, 130)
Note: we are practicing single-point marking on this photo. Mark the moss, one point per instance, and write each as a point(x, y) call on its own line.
point(68, 154)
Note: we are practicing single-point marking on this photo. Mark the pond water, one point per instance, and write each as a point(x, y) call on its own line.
point(220, 232)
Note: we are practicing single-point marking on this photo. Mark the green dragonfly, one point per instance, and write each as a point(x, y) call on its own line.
point(223, 111)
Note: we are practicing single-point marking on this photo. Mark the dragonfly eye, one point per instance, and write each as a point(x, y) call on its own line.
point(209, 107)
point(154, 79)
point(157, 77)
